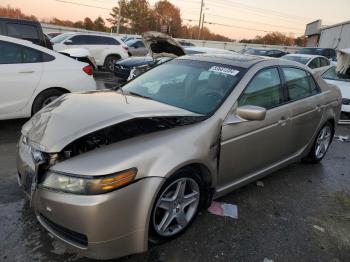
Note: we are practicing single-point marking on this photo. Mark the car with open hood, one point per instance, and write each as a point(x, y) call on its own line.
point(108, 171)
point(129, 68)
point(161, 48)
point(340, 76)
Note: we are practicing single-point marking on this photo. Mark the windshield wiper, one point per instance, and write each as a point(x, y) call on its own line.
point(139, 95)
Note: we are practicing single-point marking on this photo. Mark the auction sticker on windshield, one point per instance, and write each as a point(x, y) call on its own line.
point(224, 70)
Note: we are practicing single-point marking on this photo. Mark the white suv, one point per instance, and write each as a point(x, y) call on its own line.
point(106, 49)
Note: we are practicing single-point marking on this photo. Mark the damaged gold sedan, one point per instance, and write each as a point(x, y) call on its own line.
point(108, 171)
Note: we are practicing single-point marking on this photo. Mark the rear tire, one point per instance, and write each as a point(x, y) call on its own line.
point(110, 61)
point(45, 98)
point(321, 144)
point(182, 207)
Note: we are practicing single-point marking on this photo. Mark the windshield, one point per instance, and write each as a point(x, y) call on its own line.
point(196, 86)
point(331, 74)
point(261, 52)
point(60, 38)
point(299, 59)
point(131, 42)
point(310, 51)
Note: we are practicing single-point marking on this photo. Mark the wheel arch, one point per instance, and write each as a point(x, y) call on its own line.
point(64, 90)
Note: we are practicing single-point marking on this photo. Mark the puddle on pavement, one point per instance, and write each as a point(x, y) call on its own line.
point(23, 239)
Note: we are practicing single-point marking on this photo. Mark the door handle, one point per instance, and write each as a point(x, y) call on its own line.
point(283, 121)
point(26, 72)
point(319, 107)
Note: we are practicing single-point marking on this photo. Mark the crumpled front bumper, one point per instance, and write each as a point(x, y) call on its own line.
point(101, 226)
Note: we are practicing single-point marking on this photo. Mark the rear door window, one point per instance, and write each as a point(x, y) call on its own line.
point(10, 53)
point(300, 83)
point(264, 90)
point(22, 31)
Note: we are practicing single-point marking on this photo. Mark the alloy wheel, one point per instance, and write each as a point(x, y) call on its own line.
point(323, 141)
point(176, 207)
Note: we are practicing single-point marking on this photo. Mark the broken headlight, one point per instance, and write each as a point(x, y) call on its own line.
point(88, 185)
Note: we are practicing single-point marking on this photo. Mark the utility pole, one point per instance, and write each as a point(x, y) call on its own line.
point(202, 25)
point(200, 18)
point(119, 16)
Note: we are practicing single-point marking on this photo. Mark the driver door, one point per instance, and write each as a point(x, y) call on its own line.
point(251, 146)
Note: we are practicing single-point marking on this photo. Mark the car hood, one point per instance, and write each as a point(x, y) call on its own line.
point(135, 61)
point(344, 87)
point(160, 44)
point(75, 115)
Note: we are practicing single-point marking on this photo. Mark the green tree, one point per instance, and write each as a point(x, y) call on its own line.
point(169, 15)
point(88, 24)
point(99, 24)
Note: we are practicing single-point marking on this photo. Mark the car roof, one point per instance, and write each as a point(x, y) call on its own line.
point(207, 49)
point(233, 59)
point(9, 19)
point(306, 55)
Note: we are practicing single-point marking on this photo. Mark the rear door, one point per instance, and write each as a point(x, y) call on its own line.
point(306, 105)
point(20, 73)
point(250, 146)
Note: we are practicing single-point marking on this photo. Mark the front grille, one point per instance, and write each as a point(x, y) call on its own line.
point(345, 116)
point(66, 233)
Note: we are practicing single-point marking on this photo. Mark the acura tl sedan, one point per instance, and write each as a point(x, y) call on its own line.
point(106, 172)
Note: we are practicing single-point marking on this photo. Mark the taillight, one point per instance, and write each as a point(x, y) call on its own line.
point(88, 70)
point(126, 48)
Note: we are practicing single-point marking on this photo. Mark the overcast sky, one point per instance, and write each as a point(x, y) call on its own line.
point(238, 18)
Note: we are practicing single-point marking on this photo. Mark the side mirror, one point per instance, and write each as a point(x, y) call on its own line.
point(251, 113)
point(68, 42)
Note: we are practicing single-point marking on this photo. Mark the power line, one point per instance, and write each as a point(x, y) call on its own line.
point(250, 21)
point(264, 14)
point(80, 4)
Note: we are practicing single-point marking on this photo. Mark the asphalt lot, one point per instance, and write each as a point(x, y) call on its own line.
point(302, 213)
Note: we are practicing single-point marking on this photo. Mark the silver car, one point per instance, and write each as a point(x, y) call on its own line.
point(107, 171)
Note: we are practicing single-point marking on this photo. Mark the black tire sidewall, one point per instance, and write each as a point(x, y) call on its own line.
point(39, 100)
point(183, 173)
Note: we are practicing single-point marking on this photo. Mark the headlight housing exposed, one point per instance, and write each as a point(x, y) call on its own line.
point(346, 101)
point(88, 185)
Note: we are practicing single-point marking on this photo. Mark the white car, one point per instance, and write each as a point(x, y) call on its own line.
point(32, 76)
point(343, 82)
point(106, 49)
point(315, 62)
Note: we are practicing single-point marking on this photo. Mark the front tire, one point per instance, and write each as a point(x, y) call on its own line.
point(45, 98)
point(322, 142)
point(176, 206)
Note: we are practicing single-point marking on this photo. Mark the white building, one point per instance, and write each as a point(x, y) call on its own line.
point(335, 36)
